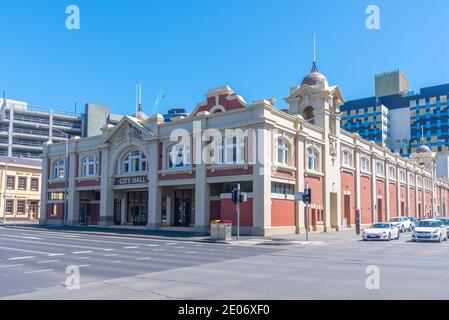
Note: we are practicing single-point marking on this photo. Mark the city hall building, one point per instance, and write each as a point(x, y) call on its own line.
point(179, 174)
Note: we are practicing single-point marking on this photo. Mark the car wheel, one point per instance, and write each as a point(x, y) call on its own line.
point(413, 240)
point(399, 235)
point(402, 229)
point(389, 237)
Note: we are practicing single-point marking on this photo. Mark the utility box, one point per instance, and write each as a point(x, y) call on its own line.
point(221, 230)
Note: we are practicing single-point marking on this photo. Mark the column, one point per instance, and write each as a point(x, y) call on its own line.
point(73, 199)
point(154, 191)
point(374, 189)
point(44, 191)
point(300, 160)
point(262, 183)
point(106, 194)
point(358, 190)
point(387, 190)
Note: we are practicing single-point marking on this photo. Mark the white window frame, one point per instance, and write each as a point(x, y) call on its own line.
point(183, 155)
point(380, 167)
point(133, 159)
point(88, 163)
point(283, 154)
point(234, 150)
point(411, 179)
point(312, 157)
point(347, 158)
point(365, 164)
point(392, 172)
point(59, 169)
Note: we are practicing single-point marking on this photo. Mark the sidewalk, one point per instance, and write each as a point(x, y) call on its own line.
point(314, 238)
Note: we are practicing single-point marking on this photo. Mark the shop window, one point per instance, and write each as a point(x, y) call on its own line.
point(56, 196)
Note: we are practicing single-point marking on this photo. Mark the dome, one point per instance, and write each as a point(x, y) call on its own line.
point(314, 78)
point(140, 115)
point(423, 149)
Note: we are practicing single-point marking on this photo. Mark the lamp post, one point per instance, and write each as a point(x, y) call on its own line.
point(66, 174)
point(6, 188)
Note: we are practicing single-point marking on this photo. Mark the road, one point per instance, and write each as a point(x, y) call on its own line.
point(33, 266)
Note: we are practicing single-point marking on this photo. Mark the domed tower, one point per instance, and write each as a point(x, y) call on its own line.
point(425, 157)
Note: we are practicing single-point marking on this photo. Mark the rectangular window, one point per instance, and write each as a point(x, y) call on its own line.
point(11, 182)
point(34, 184)
point(56, 196)
point(54, 210)
point(9, 206)
point(22, 183)
point(282, 188)
point(20, 207)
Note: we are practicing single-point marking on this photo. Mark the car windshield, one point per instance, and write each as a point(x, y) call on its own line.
point(430, 224)
point(445, 222)
point(396, 219)
point(380, 226)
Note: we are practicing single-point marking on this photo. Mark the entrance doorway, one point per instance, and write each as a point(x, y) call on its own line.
point(379, 210)
point(117, 212)
point(347, 206)
point(419, 211)
point(184, 208)
point(402, 209)
point(33, 209)
point(137, 208)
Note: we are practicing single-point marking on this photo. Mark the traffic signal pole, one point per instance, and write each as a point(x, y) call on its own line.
point(238, 212)
point(307, 211)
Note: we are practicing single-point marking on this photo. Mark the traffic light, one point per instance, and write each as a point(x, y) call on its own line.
point(243, 198)
point(307, 196)
point(235, 196)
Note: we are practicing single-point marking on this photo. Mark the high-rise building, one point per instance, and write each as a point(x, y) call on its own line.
point(24, 128)
point(175, 113)
point(401, 119)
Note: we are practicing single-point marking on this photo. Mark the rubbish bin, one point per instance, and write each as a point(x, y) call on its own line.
point(221, 230)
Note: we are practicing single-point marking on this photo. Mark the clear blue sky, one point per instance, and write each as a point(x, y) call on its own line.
point(260, 48)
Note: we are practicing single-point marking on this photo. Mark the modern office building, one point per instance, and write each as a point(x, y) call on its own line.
point(175, 113)
point(20, 183)
point(146, 172)
point(401, 119)
point(24, 128)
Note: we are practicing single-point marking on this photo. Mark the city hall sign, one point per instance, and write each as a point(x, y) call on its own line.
point(126, 181)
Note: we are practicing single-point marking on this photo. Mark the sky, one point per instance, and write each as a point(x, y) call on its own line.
point(260, 48)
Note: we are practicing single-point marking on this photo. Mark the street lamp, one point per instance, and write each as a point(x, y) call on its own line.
point(66, 174)
point(6, 187)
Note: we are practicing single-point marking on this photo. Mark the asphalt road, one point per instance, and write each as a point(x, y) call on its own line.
point(33, 266)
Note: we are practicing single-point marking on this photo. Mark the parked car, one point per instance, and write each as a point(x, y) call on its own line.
point(430, 230)
point(446, 223)
point(403, 223)
point(413, 222)
point(381, 231)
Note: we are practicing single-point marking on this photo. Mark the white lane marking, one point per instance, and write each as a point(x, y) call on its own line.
point(118, 261)
point(21, 237)
point(28, 251)
point(52, 244)
point(56, 254)
point(140, 259)
point(49, 261)
point(199, 245)
point(171, 244)
point(134, 247)
point(22, 258)
point(152, 245)
point(108, 249)
point(159, 249)
point(12, 265)
point(84, 266)
point(213, 250)
point(111, 255)
point(190, 252)
point(82, 258)
point(39, 271)
point(82, 252)
point(179, 247)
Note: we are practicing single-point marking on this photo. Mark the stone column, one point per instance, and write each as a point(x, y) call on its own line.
point(106, 194)
point(44, 190)
point(358, 200)
point(73, 200)
point(374, 189)
point(154, 191)
point(300, 208)
point(387, 189)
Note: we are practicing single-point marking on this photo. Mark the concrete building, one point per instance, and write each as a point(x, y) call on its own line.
point(146, 172)
point(20, 188)
point(401, 119)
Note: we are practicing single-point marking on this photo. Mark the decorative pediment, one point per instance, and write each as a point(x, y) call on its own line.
point(127, 130)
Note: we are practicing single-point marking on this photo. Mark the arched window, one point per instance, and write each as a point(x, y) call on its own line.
point(347, 158)
point(90, 166)
point(308, 115)
point(134, 161)
point(283, 154)
point(59, 169)
point(178, 156)
point(312, 160)
point(365, 164)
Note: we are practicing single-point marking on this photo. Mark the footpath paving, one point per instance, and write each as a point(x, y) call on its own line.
point(173, 235)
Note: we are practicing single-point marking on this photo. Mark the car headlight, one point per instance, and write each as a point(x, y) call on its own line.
point(436, 231)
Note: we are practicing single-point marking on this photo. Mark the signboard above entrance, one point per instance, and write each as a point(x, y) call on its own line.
point(131, 180)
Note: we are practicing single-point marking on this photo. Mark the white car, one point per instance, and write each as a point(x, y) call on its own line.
point(403, 223)
point(430, 230)
point(381, 231)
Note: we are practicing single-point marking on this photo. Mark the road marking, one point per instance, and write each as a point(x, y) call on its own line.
point(49, 261)
point(22, 258)
point(191, 252)
point(111, 255)
point(83, 258)
point(12, 265)
point(82, 252)
point(171, 244)
point(39, 271)
point(118, 261)
point(108, 249)
point(135, 247)
point(179, 247)
point(84, 266)
point(152, 245)
point(28, 251)
point(56, 254)
point(159, 249)
point(21, 237)
point(53, 244)
point(140, 259)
